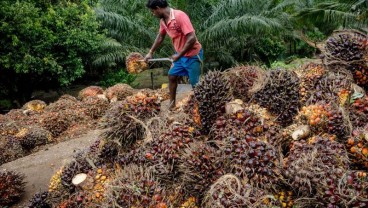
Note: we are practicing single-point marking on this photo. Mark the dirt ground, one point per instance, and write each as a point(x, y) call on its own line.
point(39, 167)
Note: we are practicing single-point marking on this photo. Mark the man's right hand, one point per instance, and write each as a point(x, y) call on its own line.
point(148, 56)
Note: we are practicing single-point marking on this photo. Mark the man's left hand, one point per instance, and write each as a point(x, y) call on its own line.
point(175, 57)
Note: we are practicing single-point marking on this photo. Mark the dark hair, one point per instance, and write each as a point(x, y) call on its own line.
point(153, 4)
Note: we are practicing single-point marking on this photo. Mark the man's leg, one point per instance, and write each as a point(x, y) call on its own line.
point(173, 84)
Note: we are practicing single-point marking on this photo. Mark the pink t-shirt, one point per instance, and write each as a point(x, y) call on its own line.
point(177, 28)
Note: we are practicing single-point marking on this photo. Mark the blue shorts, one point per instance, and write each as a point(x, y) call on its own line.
point(188, 66)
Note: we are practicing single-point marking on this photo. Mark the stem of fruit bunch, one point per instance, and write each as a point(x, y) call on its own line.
point(148, 132)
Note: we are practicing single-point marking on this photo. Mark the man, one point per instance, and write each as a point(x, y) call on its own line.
point(189, 54)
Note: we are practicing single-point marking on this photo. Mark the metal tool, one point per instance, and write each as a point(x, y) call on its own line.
point(158, 59)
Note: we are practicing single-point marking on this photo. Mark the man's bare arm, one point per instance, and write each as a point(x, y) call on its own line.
point(191, 40)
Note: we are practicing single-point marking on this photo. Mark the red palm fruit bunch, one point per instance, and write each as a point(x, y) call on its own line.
point(191, 108)
point(109, 151)
point(10, 149)
point(351, 190)
point(200, 166)
point(229, 191)
point(212, 92)
point(243, 79)
point(253, 159)
point(135, 64)
point(311, 74)
point(33, 136)
point(119, 92)
point(324, 118)
point(95, 107)
point(238, 124)
point(11, 187)
point(135, 186)
point(347, 46)
point(163, 153)
point(124, 119)
point(359, 112)
point(91, 91)
point(357, 145)
point(280, 95)
point(308, 163)
point(360, 73)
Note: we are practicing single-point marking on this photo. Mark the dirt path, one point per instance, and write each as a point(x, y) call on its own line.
point(40, 166)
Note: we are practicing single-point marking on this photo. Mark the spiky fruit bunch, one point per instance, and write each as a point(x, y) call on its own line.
point(55, 122)
point(109, 151)
point(118, 92)
point(237, 124)
point(231, 192)
point(307, 163)
point(11, 187)
point(200, 166)
point(135, 186)
point(10, 149)
point(359, 112)
point(253, 159)
point(311, 74)
point(90, 91)
point(80, 165)
point(135, 64)
point(95, 107)
point(212, 92)
point(164, 152)
point(124, 119)
point(347, 47)
point(8, 127)
point(357, 145)
point(280, 95)
point(64, 102)
point(39, 200)
point(35, 105)
point(351, 190)
point(33, 136)
point(242, 80)
point(331, 88)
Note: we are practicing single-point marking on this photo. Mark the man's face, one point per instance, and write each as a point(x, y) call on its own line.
point(157, 12)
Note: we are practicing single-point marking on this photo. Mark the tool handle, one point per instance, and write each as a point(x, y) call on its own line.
point(158, 59)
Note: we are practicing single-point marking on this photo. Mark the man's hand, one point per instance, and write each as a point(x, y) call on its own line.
point(175, 57)
point(148, 56)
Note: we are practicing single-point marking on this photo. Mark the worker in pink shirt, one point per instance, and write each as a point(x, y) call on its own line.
point(189, 54)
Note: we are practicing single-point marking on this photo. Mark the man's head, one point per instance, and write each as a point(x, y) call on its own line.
point(157, 7)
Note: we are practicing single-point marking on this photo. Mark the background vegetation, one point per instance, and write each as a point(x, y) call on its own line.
point(48, 44)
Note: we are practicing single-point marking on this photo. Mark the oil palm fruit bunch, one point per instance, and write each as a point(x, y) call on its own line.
point(347, 47)
point(280, 95)
point(357, 145)
point(90, 91)
point(212, 92)
point(351, 190)
point(11, 187)
point(35, 106)
point(109, 151)
point(135, 186)
point(55, 181)
point(229, 191)
point(238, 124)
point(119, 92)
point(253, 159)
point(56, 122)
point(123, 119)
point(95, 107)
point(242, 80)
point(360, 73)
point(200, 166)
point(135, 64)
point(79, 165)
point(39, 200)
point(307, 163)
point(359, 112)
point(311, 74)
point(33, 136)
point(10, 149)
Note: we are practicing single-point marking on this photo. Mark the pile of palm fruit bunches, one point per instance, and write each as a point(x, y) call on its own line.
point(245, 137)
